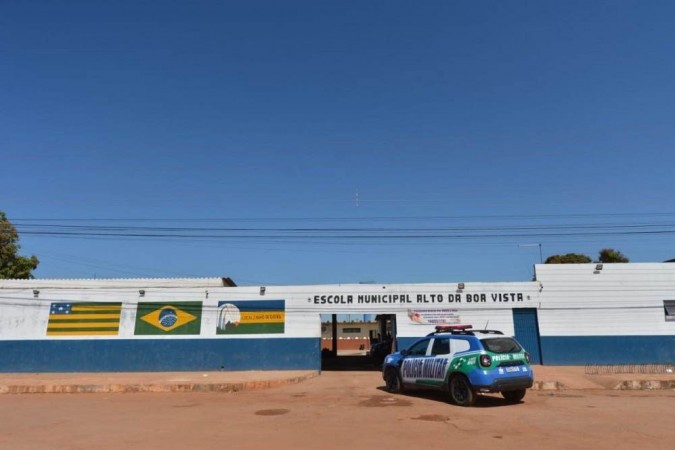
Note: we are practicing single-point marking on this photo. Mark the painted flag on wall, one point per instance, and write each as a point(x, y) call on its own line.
point(168, 318)
point(251, 316)
point(84, 319)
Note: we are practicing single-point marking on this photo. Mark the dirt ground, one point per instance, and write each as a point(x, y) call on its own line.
point(337, 410)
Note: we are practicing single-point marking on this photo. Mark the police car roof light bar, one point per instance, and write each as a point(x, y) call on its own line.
point(449, 328)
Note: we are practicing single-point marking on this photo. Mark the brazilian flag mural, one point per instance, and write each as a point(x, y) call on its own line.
point(168, 318)
point(251, 317)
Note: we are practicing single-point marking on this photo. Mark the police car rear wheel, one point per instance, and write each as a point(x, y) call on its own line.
point(393, 381)
point(514, 396)
point(461, 392)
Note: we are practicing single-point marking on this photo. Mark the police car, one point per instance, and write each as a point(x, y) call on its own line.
point(463, 362)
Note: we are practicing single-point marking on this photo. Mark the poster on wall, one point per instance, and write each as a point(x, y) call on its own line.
point(433, 316)
point(154, 318)
point(251, 317)
point(84, 319)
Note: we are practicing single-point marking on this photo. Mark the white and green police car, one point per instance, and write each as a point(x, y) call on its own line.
point(463, 362)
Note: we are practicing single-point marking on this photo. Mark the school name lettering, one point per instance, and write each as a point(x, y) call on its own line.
point(501, 297)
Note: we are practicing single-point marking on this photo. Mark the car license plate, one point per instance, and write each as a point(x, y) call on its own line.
point(513, 369)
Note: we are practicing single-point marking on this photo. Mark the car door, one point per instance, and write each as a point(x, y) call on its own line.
point(411, 368)
point(427, 362)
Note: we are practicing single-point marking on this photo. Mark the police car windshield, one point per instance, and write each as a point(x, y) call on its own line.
point(501, 345)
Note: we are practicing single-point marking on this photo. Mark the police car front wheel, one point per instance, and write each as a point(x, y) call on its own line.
point(393, 381)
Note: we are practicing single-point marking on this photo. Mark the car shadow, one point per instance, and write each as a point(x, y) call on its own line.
point(483, 400)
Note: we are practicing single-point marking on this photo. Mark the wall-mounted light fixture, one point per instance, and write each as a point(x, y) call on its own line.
point(598, 268)
point(206, 292)
point(262, 290)
point(36, 293)
point(141, 293)
point(460, 287)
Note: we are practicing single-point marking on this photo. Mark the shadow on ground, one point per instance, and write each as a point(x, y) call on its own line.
point(351, 363)
point(483, 400)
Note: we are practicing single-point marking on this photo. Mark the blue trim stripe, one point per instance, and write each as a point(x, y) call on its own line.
point(582, 350)
point(256, 305)
point(154, 355)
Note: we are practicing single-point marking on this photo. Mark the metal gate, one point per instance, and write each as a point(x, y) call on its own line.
point(526, 327)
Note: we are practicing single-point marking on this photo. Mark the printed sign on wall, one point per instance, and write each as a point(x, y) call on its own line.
point(168, 318)
point(84, 319)
point(443, 316)
point(251, 317)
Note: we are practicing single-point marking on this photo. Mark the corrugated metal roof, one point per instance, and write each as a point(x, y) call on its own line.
point(113, 283)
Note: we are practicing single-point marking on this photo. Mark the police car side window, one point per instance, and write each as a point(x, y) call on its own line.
point(420, 348)
point(460, 345)
point(440, 347)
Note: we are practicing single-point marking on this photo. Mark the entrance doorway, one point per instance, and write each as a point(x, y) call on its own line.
point(356, 341)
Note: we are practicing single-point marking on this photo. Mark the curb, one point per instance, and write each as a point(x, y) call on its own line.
point(547, 386)
point(121, 388)
point(645, 385)
point(625, 385)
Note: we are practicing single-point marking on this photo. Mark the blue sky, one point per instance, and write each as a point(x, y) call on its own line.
point(264, 114)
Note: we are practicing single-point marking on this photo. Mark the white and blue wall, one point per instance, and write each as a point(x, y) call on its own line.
point(572, 314)
point(606, 314)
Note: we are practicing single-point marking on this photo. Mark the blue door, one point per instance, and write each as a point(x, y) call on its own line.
point(526, 326)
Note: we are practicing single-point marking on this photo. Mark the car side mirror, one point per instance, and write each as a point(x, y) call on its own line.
point(405, 352)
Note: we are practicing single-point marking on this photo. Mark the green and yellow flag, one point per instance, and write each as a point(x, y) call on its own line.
point(84, 319)
point(168, 318)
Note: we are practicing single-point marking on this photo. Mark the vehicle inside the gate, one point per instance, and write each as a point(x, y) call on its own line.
point(462, 362)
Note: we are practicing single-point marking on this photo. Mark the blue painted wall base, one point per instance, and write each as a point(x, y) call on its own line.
point(582, 350)
point(155, 355)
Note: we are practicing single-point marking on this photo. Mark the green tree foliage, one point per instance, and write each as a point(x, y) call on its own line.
point(570, 258)
point(609, 255)
point(12, 265)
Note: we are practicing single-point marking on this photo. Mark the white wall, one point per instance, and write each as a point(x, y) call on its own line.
point(619, 299)
point(572, 300)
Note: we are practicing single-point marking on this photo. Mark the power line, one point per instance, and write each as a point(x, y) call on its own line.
point(338, 236)
point(356, 218)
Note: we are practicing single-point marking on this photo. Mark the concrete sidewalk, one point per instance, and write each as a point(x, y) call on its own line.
point(580, 378)
point(127, 382)
point(546, 378)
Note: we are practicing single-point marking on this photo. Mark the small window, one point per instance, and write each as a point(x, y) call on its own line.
point(669, 310)
point(501, 345)
point(351, 330)
point(419, 348)
point(440, 347)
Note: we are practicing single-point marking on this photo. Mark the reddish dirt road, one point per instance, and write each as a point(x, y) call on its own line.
point(337, 410)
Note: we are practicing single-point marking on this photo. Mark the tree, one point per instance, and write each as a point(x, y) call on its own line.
point(12, 265)
point(609, 255)
point(570, 258)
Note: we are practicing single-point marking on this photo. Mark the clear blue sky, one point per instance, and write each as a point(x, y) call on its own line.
point(448, 114)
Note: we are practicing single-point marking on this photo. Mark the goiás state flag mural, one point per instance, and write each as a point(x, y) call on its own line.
point(251, 317)
point(84, 319)
point(154, 318)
